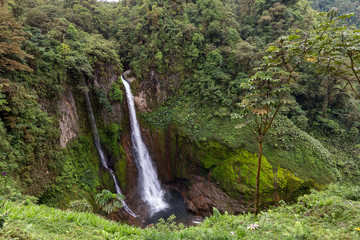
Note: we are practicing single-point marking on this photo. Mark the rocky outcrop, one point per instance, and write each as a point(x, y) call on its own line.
point(203, 195)
point(69, 119)
point(140, 97)
point(141, 103)
point(128, 76)
point(150, 93)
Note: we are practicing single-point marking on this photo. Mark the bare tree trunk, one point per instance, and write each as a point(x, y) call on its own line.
point(258, 180)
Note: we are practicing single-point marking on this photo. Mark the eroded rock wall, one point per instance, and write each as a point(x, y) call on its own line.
point(69, 119)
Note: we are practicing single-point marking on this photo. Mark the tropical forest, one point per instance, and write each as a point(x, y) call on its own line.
point(179, 119)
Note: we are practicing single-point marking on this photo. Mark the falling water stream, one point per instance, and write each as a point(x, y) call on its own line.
point(150, 188)
point(101, 152)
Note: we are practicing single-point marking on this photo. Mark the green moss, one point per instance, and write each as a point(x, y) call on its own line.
point(115, 92)
point(237, 176)
point(213, 153)
point(294, 161)
point(79, 175)
point(109, 136)
point(135, 87)
point(120, 167)
point(289, 147)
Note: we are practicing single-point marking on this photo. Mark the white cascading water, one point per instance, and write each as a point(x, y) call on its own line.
point(151, 191)
point(101, 152)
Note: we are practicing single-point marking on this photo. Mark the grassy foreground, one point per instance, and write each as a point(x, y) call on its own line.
point(330, 214)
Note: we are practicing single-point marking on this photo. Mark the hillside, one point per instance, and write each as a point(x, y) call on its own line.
point(214, 83)
point(332, 214)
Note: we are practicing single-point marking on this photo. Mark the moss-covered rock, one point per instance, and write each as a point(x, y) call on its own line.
point(204, 144)
point(80, 175)
point(236, 174)
point(120, 167)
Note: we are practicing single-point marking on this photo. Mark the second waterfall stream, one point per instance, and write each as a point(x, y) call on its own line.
point(101, 152)
point(150, 187)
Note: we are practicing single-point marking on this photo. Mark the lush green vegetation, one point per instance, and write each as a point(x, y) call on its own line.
point(345, 6)
point(200, 50)
point(109, 202)
point(330, 214)
point(194, 61)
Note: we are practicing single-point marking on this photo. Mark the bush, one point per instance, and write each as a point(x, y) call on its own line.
point(102, 98)
point(115, 93)
point(109, 202)
point(354, 133)
point(80, 206)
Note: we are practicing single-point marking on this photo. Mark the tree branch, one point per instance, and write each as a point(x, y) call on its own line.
point(353, 66)
point(352, 88)
point(273, 117)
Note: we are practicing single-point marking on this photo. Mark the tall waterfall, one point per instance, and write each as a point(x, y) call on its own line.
point(101, 152)
point(151, 191)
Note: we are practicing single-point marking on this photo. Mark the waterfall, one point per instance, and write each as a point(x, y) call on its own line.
point(101, 152)
point(150, 188)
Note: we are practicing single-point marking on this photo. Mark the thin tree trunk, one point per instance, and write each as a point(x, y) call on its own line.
point(258, 180)
point(325, 103)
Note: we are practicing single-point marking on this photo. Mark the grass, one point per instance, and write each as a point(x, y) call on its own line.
point(333, 213)
point(42, 222)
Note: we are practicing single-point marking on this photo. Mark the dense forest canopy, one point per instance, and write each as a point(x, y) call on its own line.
point(205, 48)
point(345, 6)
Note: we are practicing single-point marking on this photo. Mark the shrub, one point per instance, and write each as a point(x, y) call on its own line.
point(109, 202)
point(115, 93)
point(102, 98)
point(80, 206)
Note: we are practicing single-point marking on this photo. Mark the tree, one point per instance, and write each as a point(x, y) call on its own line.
point(337, 53)
point(268, 90)
point(332, 49)
point(11, 36)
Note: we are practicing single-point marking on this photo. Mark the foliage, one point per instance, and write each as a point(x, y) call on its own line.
point(58, 53)
point(103, 99)
point(333, 213)
point(341, 60)
point(163, 229)
point(11, 38)
point(195, 56)
point(42, 222)
point(266, 90)
point(77, 175)
point(25, 124)
point(110, 136)
point(109, 202)
point(80, 206)
point(344, 6)
point(115, 93)
point(15, 197)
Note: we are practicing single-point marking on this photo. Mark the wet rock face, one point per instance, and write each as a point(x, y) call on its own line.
point(203, 195)
point(140, 101)
point(69, 119)
point(150, 92)
point(128, 76)
point(140, 95)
